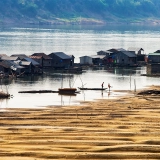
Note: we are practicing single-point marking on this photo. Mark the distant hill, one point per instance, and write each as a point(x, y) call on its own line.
point(79, 11)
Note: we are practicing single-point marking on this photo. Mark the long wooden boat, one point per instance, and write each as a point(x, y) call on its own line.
point(67, 91)
point(92, 88)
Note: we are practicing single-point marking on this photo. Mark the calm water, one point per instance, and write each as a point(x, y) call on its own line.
point(79, 41)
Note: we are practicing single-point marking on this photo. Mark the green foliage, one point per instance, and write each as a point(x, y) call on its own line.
point(86, 8)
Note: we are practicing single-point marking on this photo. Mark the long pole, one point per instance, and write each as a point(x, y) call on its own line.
point(134, 85)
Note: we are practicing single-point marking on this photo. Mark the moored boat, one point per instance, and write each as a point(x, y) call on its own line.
point(67, 91)
point(92, 88)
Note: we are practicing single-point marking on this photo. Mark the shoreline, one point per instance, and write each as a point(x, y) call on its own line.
point(104, 129)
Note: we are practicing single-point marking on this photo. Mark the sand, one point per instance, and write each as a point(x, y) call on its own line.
point(122, 128)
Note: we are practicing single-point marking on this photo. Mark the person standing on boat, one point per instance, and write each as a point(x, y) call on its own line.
point(102, 85)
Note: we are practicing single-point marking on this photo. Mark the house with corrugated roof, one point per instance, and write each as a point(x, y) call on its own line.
point(98, 59)
point(141, 57)
point(14, 67)
point(43, 59)
point(136, 50)
point(61, 60)
point(120, 57)
point(125, 58)
point(86, 60)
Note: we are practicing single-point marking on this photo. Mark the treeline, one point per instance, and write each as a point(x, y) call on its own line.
point(105, 10)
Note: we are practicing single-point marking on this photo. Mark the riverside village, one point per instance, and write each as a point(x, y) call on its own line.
point(18, 65)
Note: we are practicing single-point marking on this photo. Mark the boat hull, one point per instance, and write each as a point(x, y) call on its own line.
point(67, 91)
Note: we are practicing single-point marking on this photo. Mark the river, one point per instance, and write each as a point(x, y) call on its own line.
point(79, 41)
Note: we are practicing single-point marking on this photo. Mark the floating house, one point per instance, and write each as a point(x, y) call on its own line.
point(121, 57)
point(154, 57)
point(44, 60)
point(5, 69)
point(86, 60)
point(61, 60)
point(98, 59)
point(15, 68)
point(125, 58)
point(141, 57)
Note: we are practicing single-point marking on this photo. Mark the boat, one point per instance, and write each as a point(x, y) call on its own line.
point(67, 91)
point(4, 95)
point(92, 88)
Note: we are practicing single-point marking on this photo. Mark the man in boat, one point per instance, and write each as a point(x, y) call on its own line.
point(102, 85)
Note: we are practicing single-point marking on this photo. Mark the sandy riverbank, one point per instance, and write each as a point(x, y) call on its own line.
point(120, 128)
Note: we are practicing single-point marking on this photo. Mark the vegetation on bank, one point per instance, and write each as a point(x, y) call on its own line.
point(79, 11)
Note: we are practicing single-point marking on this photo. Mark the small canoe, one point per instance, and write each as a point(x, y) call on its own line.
point(93, 89)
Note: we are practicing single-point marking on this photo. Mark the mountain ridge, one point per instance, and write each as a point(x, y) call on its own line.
point(79, 12)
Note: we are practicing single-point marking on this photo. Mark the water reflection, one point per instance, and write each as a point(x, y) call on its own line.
point(119, 79)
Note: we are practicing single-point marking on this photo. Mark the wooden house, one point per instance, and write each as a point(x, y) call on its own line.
point(121, 57)
point(4, 69)
point(14, 67)
point(31, 65)
point(125, 58)
point(98, 59)
point(61, 60)
point(139, 52)
point(44, 60)
point(154, 57)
